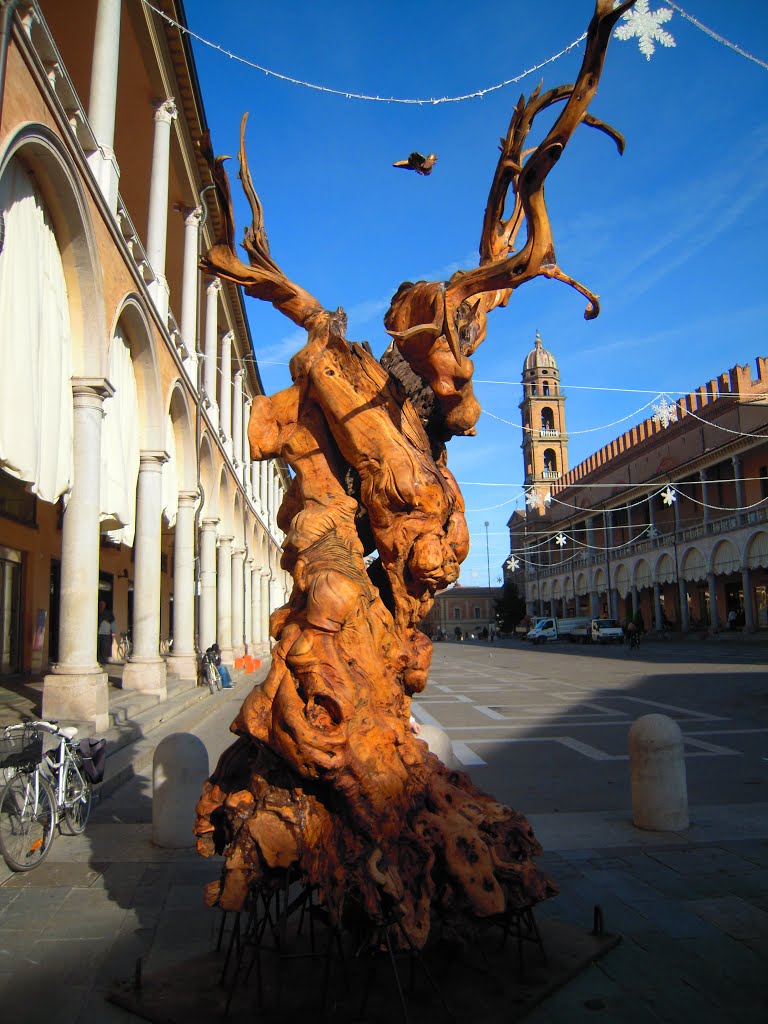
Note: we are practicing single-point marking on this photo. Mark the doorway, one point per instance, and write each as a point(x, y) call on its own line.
point(10, 610)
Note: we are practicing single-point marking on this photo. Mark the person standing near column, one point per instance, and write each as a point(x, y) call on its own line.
point(106, 633)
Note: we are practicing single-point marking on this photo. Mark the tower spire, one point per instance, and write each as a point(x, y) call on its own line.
point(545, 441)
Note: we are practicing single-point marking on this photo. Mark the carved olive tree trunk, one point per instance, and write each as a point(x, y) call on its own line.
point(326, 779)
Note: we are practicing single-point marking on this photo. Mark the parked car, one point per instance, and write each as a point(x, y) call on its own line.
point(554, 629)
point(599, 631)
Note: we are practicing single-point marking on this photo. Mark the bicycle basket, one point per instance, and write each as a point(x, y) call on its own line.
point(21, 749)
point(94, 755)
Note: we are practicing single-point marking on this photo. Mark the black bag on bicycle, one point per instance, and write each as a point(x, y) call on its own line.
point(94, 755)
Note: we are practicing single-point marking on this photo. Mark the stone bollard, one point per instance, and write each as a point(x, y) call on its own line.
point(657, 771)
point(439, 744)
point(179, 769)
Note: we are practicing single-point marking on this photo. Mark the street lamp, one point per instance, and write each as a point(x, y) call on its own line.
point(488, 566)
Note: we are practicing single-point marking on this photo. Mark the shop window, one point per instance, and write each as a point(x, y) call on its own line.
point(15, 500)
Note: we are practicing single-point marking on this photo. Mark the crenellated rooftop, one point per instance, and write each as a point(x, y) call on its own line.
point(736, 384)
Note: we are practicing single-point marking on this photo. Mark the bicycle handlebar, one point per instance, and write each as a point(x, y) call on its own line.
point(49, 727)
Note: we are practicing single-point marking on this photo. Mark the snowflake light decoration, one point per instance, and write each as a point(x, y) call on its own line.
point(512, 563)
point(533, 498)
point(646, 26)
point(653, 532)
point(664, 412)
point(669, 496)
point(560, 540)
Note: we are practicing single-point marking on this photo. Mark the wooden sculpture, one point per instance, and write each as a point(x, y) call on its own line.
point(326, 781)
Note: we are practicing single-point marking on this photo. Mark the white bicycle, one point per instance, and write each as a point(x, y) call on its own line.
point(40, 791)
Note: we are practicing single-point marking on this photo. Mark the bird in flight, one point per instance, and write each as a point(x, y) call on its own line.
point(417, 162)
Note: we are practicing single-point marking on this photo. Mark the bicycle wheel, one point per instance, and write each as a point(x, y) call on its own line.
point(78, 793)
point(26, 825)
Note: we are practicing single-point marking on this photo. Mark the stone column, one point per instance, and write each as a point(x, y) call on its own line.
point(685, 622)
point(211, 345)
point(224, 599)
point(657, 612)
point(714, 618)
point(651, 516)
point(749, 612)
point(76, 688)
point(264, 490)
point(276, 597)
point(265, 609)
point(738, 471)
point(182, 661)
point(146, 669)
point(704, 497)
point(225, 391)
point(635, 601)
point(237, 422)
point(256, 623)
point(248, 605)
point(103, 98)
point(255, 484)
point(246, 448)
point(207, 618)
point(190, 276)
point(238, 602)
point(157, 225)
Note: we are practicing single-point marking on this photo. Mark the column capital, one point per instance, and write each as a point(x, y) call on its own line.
point(239, 373)
point(87, 389)
point(165, 110)
point(188, 499)
point(152, 460)
point(209, 523)
point(238, 552)
point(192, 214)
point(228, 336)
point(214, 287)
point(226, 538)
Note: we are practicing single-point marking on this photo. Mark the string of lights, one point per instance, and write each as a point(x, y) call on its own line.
point(587, 430)
point(350, 94)
point(716, 36)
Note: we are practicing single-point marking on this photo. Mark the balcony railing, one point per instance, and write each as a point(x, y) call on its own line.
point(715, 527)
point(549, 432)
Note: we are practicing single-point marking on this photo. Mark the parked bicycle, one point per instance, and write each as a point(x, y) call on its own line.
point(41, 791)
point(124, 647)
point(209, 670)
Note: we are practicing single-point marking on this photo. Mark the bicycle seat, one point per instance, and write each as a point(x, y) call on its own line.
point(69, 731)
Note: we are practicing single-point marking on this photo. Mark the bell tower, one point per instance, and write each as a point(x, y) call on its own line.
point(545, 441)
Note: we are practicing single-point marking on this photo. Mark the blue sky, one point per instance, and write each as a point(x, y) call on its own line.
point(672, 235)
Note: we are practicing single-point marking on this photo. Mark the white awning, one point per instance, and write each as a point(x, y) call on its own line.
point(623, 586)
point(643, 575)
point(726, 559)
point(170, 481)
point(694, 567)
point(665, 570)
point(757, 552)
point(36, 419)
point(120, 446)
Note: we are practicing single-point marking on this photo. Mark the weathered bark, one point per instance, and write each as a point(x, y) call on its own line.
point(327, 779)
